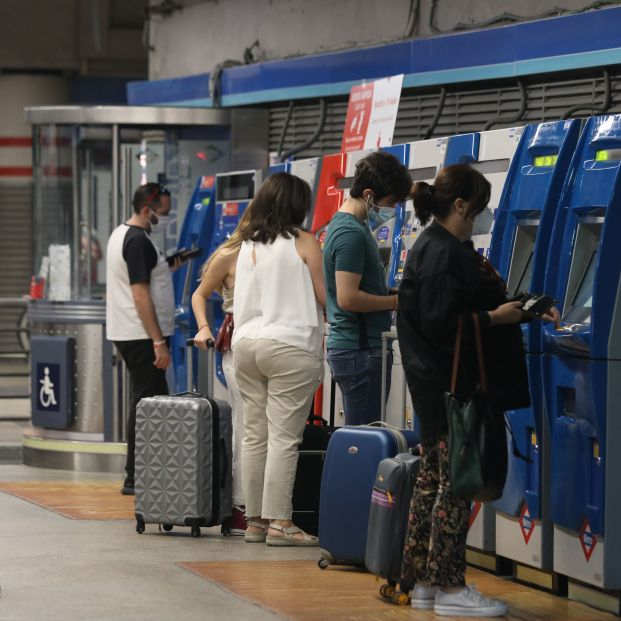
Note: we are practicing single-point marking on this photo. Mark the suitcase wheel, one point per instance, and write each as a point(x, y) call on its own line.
point(387, 591)
point(167, 527)
point(196, 531)
point(323, 563)
point(140, 526)
point(400, 598)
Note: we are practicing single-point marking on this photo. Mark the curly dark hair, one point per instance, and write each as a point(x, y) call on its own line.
point(384, 174)
point(279, 208)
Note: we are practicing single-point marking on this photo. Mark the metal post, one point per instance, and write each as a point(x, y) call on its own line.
point(384, 368)
point(76, 215)
point(116, 219)
point(88, 223)
point(404, 386)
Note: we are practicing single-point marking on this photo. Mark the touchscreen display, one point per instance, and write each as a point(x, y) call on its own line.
point(235, 187)
point(525, 278)
point(580, 308)
point(584, 293)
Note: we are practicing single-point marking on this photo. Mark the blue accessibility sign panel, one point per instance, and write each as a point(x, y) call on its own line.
point(52, 381)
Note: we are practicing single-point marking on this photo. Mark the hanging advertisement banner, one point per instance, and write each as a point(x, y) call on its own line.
point(372, 114)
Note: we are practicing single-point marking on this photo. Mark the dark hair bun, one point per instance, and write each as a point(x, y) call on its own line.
point(423, 196)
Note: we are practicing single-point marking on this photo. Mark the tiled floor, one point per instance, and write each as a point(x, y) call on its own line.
point(56, 568)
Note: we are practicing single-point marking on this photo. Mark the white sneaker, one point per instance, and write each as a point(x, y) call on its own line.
point(468, 603)
point(423, 597)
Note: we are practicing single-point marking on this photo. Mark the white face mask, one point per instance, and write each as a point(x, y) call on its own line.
point(161, 225)
point(483, 222)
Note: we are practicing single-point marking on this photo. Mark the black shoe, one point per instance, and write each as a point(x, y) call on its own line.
point(128, 487)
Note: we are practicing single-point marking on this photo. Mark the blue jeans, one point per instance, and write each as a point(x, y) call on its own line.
point(358, 373)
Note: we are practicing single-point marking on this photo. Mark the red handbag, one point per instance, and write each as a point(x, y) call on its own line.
point(225, 334)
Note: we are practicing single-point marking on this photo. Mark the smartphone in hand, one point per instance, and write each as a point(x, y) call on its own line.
point(184, 254)
point(536, 304)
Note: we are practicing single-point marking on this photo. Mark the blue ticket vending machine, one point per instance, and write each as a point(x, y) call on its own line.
point(519, 251)
point(582, 362)
point(234, 192)
point(197, 232)
point(490, 153)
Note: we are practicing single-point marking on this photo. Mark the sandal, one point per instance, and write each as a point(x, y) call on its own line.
point(255, 536)
point(288, 537)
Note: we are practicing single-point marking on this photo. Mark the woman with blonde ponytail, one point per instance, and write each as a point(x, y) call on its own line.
point(218, 274)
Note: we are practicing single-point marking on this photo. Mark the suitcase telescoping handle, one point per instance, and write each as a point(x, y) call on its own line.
point(190, 367)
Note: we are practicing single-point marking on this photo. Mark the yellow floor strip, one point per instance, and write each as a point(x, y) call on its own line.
point(78, 500)
point(300, 591)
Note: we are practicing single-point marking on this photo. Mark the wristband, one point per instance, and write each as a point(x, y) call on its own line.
point(159, 343)
point(205, 325)
point(394, 302)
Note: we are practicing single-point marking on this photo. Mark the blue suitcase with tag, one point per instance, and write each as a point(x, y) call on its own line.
point(353, 456)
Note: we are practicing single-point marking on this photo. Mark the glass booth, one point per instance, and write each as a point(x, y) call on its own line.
point(87, 162)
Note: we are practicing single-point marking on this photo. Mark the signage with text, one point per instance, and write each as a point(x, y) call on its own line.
point(372, 114)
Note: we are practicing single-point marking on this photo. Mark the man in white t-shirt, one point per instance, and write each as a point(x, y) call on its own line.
point(140, 304)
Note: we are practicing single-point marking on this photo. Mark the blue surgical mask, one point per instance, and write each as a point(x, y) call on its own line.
point(381, 216)
point(377, 214)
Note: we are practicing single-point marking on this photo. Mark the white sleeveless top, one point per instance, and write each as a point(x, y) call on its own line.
point(274, 298)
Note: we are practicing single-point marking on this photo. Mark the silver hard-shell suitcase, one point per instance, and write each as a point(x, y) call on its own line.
point(183, 462)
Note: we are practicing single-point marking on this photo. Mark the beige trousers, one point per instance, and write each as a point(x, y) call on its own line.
point(277, 383)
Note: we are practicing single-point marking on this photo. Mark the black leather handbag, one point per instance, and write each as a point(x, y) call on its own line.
point(477, 438)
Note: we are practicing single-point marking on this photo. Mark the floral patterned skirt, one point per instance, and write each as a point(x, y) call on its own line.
point(435, 544)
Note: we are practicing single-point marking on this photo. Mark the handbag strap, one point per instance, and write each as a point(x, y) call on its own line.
point(477, 336)
point(457, 352)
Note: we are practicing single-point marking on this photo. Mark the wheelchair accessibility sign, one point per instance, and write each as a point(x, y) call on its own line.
point(48, 378)
point(52, 381)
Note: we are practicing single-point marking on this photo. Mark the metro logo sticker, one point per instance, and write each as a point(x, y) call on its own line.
point(230, 209)
point(207, 182)
point(588, 540)
point(474, 512)
point(527, 524)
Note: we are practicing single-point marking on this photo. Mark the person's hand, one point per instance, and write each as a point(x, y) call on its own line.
point(553, 316)
point(510, 312)
point(202, 336)
point(176, 264)
point(162, 356)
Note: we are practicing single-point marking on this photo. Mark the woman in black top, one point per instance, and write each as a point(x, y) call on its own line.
point(444, 280)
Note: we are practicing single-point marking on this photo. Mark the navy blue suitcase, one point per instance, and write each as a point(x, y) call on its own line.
point(353, 456)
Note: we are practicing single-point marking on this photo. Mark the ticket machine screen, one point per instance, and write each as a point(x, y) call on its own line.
point(580, 311)
point(237, 187)
point(525, 278)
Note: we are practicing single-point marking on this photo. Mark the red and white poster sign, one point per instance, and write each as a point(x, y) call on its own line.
point(372, 114)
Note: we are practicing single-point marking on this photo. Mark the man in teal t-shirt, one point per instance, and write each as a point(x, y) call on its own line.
point(358, 303)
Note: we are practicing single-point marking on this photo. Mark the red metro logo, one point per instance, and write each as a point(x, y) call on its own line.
point(527, 524)
point(588, 540)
